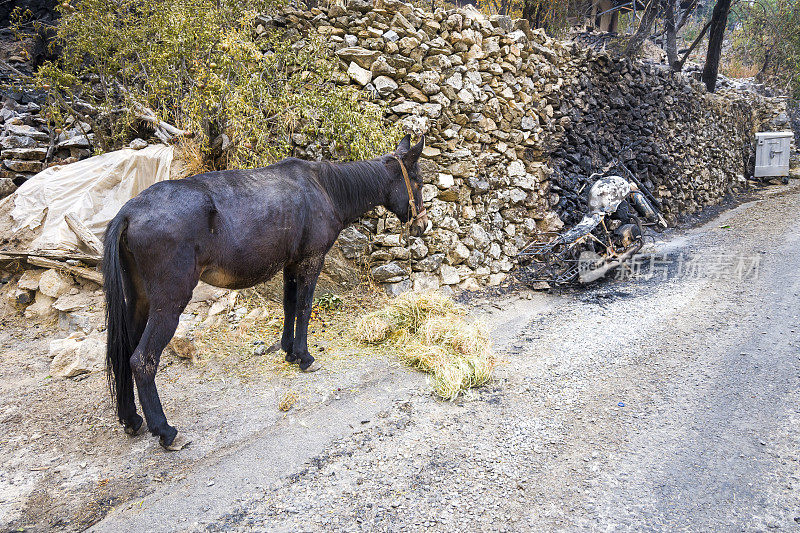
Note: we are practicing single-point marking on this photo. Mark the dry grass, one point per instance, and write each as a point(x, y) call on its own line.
point(191, 154)
point(287, 401)
point(428, 331)
point(227, 352)
point(736, 69)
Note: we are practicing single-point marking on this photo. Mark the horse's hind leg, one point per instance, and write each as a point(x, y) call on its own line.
point(166, 305)
point(138, 309)
point(138, 312)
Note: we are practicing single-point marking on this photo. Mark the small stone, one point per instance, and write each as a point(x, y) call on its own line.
point(425, 281)
point(27, 131)
point(16, 141)
point(7, 186)
point(384, 85)
point(41, 307)
point(398, 288)
point(449, 275)
point(353, 242)
point(30, 279)
point(413, 93)
point(358, 74)
point(445, 181)
point(183, 347)
point(137, 144)
point(23, 166)
point(26, 154)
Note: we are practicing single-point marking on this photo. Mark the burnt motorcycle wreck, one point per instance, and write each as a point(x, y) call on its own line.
point(607, 237)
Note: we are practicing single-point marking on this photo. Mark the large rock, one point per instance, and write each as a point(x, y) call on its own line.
point(54, 284)
point(77, 354)
point(389, 273)
point(35, 154)
point(360, 56)
point(353, 242)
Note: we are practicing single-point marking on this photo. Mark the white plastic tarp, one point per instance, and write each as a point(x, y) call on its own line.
point(94, 189)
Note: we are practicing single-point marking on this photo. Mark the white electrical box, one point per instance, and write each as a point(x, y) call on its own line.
point(772, 153)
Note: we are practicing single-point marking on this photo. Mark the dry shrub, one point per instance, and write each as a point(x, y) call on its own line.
point(428, 332)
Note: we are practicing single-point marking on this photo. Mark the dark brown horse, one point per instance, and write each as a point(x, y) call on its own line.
point(233, 229)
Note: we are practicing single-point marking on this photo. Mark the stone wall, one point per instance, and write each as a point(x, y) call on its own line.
point(515, 124)
point(27, 142)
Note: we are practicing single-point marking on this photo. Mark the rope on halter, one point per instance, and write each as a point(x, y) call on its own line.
point(411, 204)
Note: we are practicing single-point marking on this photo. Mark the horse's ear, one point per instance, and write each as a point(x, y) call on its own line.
point(414, 152)
point(405, 145)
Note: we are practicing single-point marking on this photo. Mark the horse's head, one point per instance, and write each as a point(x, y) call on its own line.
point(405, 186)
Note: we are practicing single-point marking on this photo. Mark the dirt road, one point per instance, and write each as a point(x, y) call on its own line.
point(663, 404)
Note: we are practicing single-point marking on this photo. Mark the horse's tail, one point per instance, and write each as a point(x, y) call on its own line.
point(118, 342)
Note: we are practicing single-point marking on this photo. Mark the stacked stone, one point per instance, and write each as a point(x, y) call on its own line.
point(516, 122)
point(692, 147)
point(483, 91)
point(25, 142)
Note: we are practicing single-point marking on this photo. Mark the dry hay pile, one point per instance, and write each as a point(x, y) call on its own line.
point(428, 331)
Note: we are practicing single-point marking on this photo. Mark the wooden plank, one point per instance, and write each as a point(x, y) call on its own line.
point(83, 233)
point(91, 275)
point(58, 256)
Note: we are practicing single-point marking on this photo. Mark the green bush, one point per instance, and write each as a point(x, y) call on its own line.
point(202, 66)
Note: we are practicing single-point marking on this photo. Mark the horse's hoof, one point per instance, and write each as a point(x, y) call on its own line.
point(291, 359)
point(178, 443)
point(133, 428)
point(313, 367)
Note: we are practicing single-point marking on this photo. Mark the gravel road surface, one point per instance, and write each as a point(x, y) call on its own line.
point(662, 404)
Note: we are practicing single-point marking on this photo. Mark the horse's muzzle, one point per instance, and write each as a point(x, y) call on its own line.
point(421, 226)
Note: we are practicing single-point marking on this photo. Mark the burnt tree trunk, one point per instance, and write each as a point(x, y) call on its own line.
point(534, 12)
point(671, 44)
point(651, 13)
point(716, 34)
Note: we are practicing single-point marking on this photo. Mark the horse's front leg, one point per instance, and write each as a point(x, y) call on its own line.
point(289, 310)
point(307, 274)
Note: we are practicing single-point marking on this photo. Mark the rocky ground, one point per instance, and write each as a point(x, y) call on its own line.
point(665, 404)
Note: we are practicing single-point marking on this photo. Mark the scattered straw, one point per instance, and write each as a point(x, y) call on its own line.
point(428, 332)
point(287, 401)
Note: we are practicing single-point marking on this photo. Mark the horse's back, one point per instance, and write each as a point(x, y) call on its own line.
point(236, 227)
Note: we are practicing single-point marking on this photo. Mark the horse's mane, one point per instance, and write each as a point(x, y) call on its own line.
point(354, 185)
